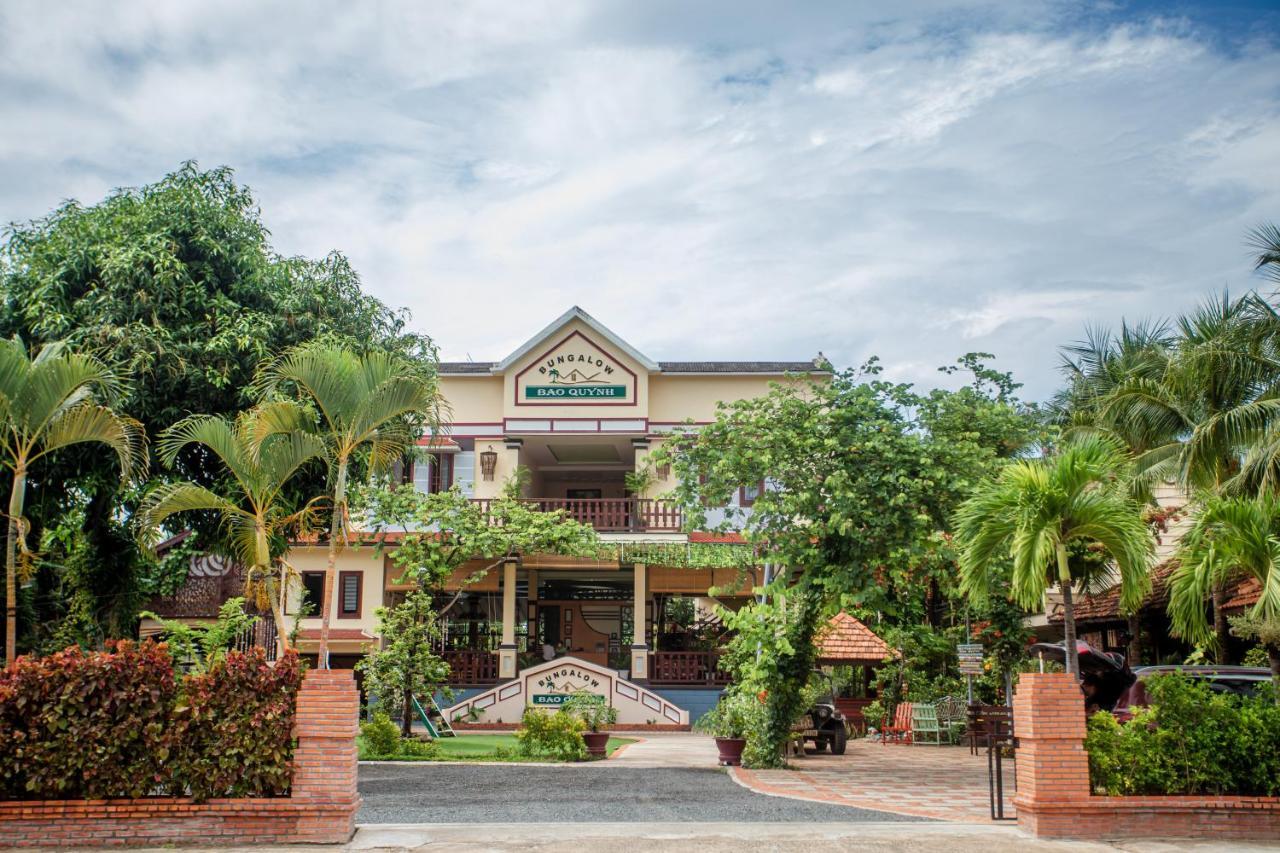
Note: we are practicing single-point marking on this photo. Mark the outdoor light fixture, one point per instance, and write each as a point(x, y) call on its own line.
point(488, 462)
point(663, 471)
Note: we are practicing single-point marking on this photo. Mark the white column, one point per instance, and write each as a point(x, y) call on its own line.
point(639, 648)
point(507, 648)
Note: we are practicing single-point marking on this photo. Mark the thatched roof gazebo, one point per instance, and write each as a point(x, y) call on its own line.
point(845, 641)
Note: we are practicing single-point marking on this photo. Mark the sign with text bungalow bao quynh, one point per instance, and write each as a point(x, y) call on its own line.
point(576, 371)
point(549, 685)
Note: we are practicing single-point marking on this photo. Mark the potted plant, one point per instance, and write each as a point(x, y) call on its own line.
point(596, 714)
point(729, 723)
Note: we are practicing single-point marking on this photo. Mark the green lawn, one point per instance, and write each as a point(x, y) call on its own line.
point(480, 747)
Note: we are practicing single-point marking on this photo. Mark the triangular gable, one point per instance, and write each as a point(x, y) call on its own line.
point(845, 638)
point(548, 337)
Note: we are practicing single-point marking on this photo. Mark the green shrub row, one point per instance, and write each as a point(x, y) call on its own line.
point(1189, 740)
point(121, 724)
point(557, 734)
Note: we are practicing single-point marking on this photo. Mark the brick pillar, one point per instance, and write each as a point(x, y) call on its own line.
point(325, 762)
point(1053, 768)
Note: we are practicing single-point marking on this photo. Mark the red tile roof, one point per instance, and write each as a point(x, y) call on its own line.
point(717, 538)
point(439, 442)
point(1105, 606)
point(846, 640)
point(1245, 594)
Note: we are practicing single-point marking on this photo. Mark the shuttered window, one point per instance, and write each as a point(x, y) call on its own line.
point(349, 594)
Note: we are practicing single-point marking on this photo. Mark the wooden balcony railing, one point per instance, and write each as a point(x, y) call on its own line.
point(471, 667)
point(686, 668)
point(616, 515)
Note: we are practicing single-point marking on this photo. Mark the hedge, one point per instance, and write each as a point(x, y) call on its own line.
point(1189, 740)
point(120, 724)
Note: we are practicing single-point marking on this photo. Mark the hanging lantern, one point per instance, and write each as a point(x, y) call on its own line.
point(488, 463)
point(663, 471)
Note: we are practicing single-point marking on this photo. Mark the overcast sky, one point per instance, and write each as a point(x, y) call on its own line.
point(716, 180)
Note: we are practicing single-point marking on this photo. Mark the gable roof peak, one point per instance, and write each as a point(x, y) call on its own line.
point(575, 313)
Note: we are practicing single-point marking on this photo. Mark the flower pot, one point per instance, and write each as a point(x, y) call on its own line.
point(597, 743)
point(730, 750)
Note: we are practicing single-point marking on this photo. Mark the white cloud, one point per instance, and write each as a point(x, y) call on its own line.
point(718, 180)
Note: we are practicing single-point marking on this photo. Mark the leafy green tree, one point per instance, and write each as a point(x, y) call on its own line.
point(848, 485)
point(47, 404)
point(1036, 509)
point(448, 530)
point(175, 284)
point(255, 523)
point(1230, 538)
point(406, 665)
point(201, 646)
point(371, 404)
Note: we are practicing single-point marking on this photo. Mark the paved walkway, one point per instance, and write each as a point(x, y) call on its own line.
point(713, 837)
point(667, 749)
point(941, 782)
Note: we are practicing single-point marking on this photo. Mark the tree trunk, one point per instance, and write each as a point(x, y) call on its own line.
point(406, 717)
point(1273, 657)
point(1068, 612)
point(331, 570)
point(11, 566)
point(1134, 650)
point(1221, 630)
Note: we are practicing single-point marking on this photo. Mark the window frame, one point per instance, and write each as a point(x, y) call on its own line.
point(744, 501)
point(319, 605)
point(341, 597)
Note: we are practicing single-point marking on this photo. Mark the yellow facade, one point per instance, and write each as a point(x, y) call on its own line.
point(578, 408)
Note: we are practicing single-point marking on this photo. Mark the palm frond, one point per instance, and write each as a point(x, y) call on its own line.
point(90, 423)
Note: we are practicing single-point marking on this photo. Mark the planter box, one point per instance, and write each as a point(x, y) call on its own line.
point(1234, 818)
point(1054, 800)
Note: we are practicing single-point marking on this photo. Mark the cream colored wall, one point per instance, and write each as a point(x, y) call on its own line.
point(364, 559)
point(508, 461)
point(473, 399)
point(674, 397)
point(636, 410)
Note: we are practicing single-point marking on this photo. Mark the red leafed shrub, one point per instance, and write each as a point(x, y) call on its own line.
point(86, 725)
point(233, 727)
point(117, 724)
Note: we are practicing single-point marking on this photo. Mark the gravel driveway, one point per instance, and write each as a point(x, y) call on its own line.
point(461, 793)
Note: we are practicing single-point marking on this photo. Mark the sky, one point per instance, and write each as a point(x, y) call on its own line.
point(712, 180)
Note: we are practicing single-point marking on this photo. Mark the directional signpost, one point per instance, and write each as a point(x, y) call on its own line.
point(970, 663)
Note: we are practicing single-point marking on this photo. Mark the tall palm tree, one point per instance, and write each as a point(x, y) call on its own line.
point(1230, 537)
point(1216, 400)
point(47, 403)
point(1265, 239)
point(358, 403)
point(257, 514)
point(1035, 509)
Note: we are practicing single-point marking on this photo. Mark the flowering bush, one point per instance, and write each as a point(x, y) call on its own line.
point(118, 724)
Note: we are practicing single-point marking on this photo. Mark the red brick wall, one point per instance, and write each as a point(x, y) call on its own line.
point(321, 809)
point(1054, 798)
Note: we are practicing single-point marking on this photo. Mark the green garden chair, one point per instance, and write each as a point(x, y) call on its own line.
point(924, 723)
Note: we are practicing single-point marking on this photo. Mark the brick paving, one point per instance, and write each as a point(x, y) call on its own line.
point(941, 782)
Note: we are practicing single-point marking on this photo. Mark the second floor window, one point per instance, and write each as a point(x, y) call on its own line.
point(747, 494)
point(312, 591)
point(349, 595)
point(433, 472)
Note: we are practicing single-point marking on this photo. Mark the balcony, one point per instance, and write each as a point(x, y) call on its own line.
point(614, 515)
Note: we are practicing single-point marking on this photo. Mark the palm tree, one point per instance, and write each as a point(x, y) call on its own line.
point(1230, 537)
point(355, 402)
point(1266, 240)
point(1036, 509)
point(1215, 403)
point(48, 403)
point(260, 470)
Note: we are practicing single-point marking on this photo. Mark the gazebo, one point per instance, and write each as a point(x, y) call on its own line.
point(845, 641)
